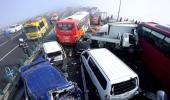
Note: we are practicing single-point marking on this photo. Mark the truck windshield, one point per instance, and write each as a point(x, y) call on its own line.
point(30, 29)
point(58, 53)
point(65, 26)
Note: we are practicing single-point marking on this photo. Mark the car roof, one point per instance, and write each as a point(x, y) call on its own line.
point(40, 77)
point(115, 69)
point(50, 47)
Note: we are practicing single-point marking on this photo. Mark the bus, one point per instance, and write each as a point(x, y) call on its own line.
point(35, 28)
point(155, 41)
point(72, 28)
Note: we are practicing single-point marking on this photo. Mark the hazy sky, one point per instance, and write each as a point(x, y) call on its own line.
point(13, 11)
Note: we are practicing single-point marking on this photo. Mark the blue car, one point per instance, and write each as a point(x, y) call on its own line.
point(42, 81)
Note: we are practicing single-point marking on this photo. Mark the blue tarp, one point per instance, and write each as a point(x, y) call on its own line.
point(40, 77)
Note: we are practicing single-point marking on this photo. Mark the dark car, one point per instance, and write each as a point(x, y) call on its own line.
point(42, 81)
point(81, 46)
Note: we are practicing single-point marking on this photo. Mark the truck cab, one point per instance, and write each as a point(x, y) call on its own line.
point(36, 28)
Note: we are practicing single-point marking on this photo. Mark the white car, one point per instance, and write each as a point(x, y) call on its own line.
point(15, 28)
point(53, 52)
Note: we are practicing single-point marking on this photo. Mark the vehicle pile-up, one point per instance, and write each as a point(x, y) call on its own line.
point(111, 77)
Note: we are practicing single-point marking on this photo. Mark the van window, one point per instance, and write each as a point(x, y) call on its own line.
point(86, 55)
point(97, 73)
point(145, 32)
point(165, 46)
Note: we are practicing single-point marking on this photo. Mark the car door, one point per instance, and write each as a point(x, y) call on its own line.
point(97, 77)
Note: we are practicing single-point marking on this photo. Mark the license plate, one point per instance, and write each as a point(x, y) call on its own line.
point(67, 39)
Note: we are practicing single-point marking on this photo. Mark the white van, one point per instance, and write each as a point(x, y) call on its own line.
point(112, 78)
point(53, 52)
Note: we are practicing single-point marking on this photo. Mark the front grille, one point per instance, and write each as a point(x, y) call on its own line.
point(125, 86)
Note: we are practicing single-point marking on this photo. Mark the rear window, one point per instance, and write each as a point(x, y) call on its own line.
point(65, 26)
point(12, 26)
point(58, 53)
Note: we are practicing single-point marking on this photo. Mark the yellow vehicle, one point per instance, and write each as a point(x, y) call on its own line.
point(36, 28)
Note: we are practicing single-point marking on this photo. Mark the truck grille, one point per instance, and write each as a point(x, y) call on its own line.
point(123, 87)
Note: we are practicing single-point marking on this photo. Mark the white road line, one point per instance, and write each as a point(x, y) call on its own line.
point(8, 40)
point(9, 52)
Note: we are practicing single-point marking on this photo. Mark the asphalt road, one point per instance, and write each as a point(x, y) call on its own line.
point(9, 50)
point(10, 53)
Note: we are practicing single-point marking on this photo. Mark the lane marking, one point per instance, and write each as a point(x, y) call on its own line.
point(9, 39)
point(9, 52)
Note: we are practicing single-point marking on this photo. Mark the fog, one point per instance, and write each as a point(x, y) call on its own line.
point(13, 11)
point(143, 10)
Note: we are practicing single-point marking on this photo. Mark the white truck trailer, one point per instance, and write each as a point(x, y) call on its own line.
point(117, 35)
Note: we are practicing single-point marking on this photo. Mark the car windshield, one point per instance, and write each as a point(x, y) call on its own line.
point(30, 29)
point(12, 26)
point(65, 26)
point(54, 54)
